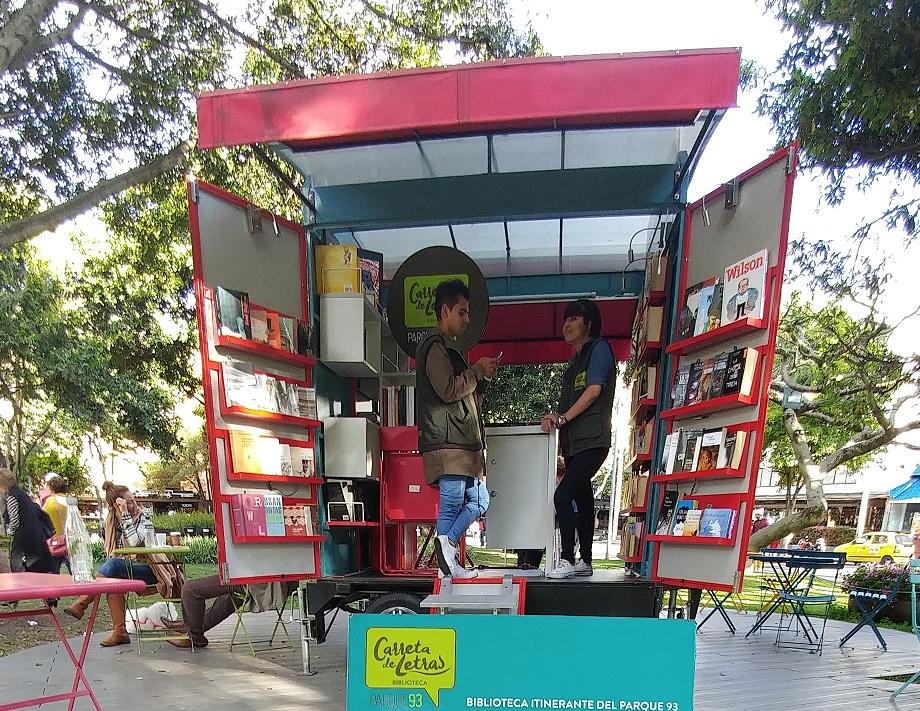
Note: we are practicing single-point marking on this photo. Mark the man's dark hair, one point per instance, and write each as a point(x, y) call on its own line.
point(449, 293)
point(589, 312)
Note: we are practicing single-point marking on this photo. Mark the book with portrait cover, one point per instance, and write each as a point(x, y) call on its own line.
point(693, 383)
point(710, 445)
point(745, 286)
point(687, 318)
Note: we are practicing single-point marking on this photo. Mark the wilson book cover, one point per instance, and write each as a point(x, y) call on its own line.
point(745, 284)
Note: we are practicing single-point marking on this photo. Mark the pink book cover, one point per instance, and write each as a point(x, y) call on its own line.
point(252, 513)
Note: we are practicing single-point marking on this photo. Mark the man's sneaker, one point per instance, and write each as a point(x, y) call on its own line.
point(446, 554)
point(460, 572)
point(563, 570)
point(583, 569)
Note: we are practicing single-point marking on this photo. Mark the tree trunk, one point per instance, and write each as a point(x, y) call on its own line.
point(812, 474)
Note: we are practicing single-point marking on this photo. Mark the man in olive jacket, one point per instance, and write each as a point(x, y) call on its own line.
point(450, 433)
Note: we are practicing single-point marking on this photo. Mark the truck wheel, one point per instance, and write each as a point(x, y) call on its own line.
point(887, 560)
point(396, 603)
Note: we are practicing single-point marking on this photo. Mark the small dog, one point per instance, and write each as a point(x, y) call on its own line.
point(147, 619)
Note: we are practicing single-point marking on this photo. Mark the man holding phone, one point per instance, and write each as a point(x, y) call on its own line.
point(450, 432)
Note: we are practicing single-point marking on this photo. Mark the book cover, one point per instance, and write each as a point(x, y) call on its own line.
point(745, 283)
point(710, 445)
point(274, 514)
point(258, 325)
point(739, 371)
point(668, 453)
point(244, 452)
point(273, 328)
point(270, 456)
point(287, 333)
point(679, 390)
point(717, 523)
point(371, 266)
point(692, 442)
point(305, 345)
point(251, 508)
point(705, 391)
point(732, 451)
point(666, 512)
point(680, 515)
point(295, 520)
point(337, 268)
point(693, 382)
point(686, 321)
point(287, 466)
point(701, 324)
point(718, 375)
point(692, 522)
point(306, 402)
point(715, 309)
point(233, 313)
point(241, 385)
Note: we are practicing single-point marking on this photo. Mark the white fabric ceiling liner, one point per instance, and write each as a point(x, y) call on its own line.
point(589, 244)
point(511, 153)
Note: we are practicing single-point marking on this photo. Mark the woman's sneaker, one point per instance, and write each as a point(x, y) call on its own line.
point(583, 569)
point(563, 570)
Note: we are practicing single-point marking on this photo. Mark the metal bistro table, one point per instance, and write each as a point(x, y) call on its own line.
point(777, 559)
point(18, 587)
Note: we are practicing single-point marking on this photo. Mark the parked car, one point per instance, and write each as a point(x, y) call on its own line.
point(878, 547)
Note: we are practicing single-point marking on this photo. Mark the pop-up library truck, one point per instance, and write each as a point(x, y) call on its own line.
point(537, 181)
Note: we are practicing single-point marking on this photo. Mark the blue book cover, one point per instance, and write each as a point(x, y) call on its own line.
point(680, 515)
point(702, 310)
point(717, 523)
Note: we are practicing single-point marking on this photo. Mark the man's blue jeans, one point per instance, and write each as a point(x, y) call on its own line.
point(463, 500)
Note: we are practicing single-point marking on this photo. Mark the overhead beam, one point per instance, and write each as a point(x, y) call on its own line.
point(587, 192)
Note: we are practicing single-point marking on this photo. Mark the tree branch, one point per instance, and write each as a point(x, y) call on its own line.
point(125, 76)
point(22, 28)
point(42, 42)
point(28, 227)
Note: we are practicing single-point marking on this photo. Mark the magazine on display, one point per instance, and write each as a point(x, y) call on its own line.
point(233, 313)
point(745, 286)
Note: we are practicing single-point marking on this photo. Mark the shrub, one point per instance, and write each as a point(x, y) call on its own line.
point(873, 576)
point(204, 550)
point(198, 520)
point(833, 535)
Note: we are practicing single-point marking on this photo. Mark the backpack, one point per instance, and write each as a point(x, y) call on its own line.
point(44, 520)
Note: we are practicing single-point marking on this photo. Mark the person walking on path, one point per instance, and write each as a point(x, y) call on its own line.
point(450, 432)
point(584, 422)
point(29, 549)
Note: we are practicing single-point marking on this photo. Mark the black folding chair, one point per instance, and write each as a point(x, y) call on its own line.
point(870, 603)
point(803, 566)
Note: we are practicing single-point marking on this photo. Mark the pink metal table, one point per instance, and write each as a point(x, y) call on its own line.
point(16, 587)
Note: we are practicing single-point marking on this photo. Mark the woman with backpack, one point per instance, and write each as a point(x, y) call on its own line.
point(29, 550)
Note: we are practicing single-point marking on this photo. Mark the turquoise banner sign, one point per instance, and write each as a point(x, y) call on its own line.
point(453, 662)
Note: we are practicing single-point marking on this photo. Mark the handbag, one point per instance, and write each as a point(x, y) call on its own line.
point(57, 545)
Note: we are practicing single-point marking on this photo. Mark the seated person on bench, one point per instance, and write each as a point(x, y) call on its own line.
point(196, 621)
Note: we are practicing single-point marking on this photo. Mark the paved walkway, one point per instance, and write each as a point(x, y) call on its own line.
point(732, 673)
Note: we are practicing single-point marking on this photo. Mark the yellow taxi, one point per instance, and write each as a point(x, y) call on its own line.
point(878, 547)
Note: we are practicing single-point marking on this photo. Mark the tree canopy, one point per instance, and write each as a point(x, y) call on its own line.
point(98, 96)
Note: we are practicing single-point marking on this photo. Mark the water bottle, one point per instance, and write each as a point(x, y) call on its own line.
point(81, 558)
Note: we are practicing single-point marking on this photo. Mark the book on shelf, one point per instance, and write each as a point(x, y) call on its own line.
point(745, 287)
point(717, 523)
point(242, 386)
point(693, 382)
point(687, 318)
point(337, 268)
point(680, 515)
point(705, 391)
point(708, 298)
point(679, 389)
point(233, 313)
point(259, 325)
point(666, 512)
point(295, 520)
point(287, 333)
point(273, 329)
point(303, 461)
point(669, 453)
point(287, 464)
point(284, 397)
point(732, 451)
point(740, 368)
point(306, 402)
point(691, 443)
point(656, 270)
point(646, 383)
point(371, 266)
point(710, 445)
point(305, 345)
point(641, 439)
point(692, 522)
point(274, 514)
point(720, 362)
point(248, 514)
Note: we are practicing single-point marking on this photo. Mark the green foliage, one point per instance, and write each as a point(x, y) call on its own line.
point(68, 466)
point(833, 535)
point(203, 550)
point(180, 521)
point(522, 393)
point(873, 576)
point(846, 88)
point(187, 470)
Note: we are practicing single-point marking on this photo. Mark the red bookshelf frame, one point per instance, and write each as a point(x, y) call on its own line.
point(726, 402)
point(276, 539)
point(630, 559)
point(352, 524)
point(694, 540)
point(722, 473)
point(269, 478)
point(717, 335)
point(263, 350)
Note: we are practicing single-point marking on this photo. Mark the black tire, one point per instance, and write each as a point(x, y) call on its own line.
point(887, 560)
point(396, 603)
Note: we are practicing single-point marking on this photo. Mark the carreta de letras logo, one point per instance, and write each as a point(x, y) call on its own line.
point(406, 658)
point(419, 298)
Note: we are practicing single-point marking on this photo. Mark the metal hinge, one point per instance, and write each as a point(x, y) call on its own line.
point(790, 162)
point(193, 181)
point(224, 573)
point(732, 193)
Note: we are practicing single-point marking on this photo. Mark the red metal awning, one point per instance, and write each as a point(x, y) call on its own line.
point(545, 92)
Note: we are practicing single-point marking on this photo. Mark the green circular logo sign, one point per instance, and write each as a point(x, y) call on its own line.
point(410, 305)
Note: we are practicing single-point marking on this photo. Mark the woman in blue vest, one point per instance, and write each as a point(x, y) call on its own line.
point(583, 419)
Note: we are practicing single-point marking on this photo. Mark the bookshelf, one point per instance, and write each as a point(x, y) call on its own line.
point(262, 350)
point(350, 334)
point(718, 335)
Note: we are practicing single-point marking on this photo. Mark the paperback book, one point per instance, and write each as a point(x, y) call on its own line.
point(680, 515)
point(295, 518)
point(732, 451)
point(740, 367)
point(679, 391)
point(687, 319)
point(745, 284)
point(233, 313)
point(710, 445)
point(692, 522)
point(666, 512)
point(274, 514)
point(717, 523)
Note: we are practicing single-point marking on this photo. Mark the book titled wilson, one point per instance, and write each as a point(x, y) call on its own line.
point(744, 289)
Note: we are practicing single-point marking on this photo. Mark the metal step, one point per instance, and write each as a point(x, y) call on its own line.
point(476, 597)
